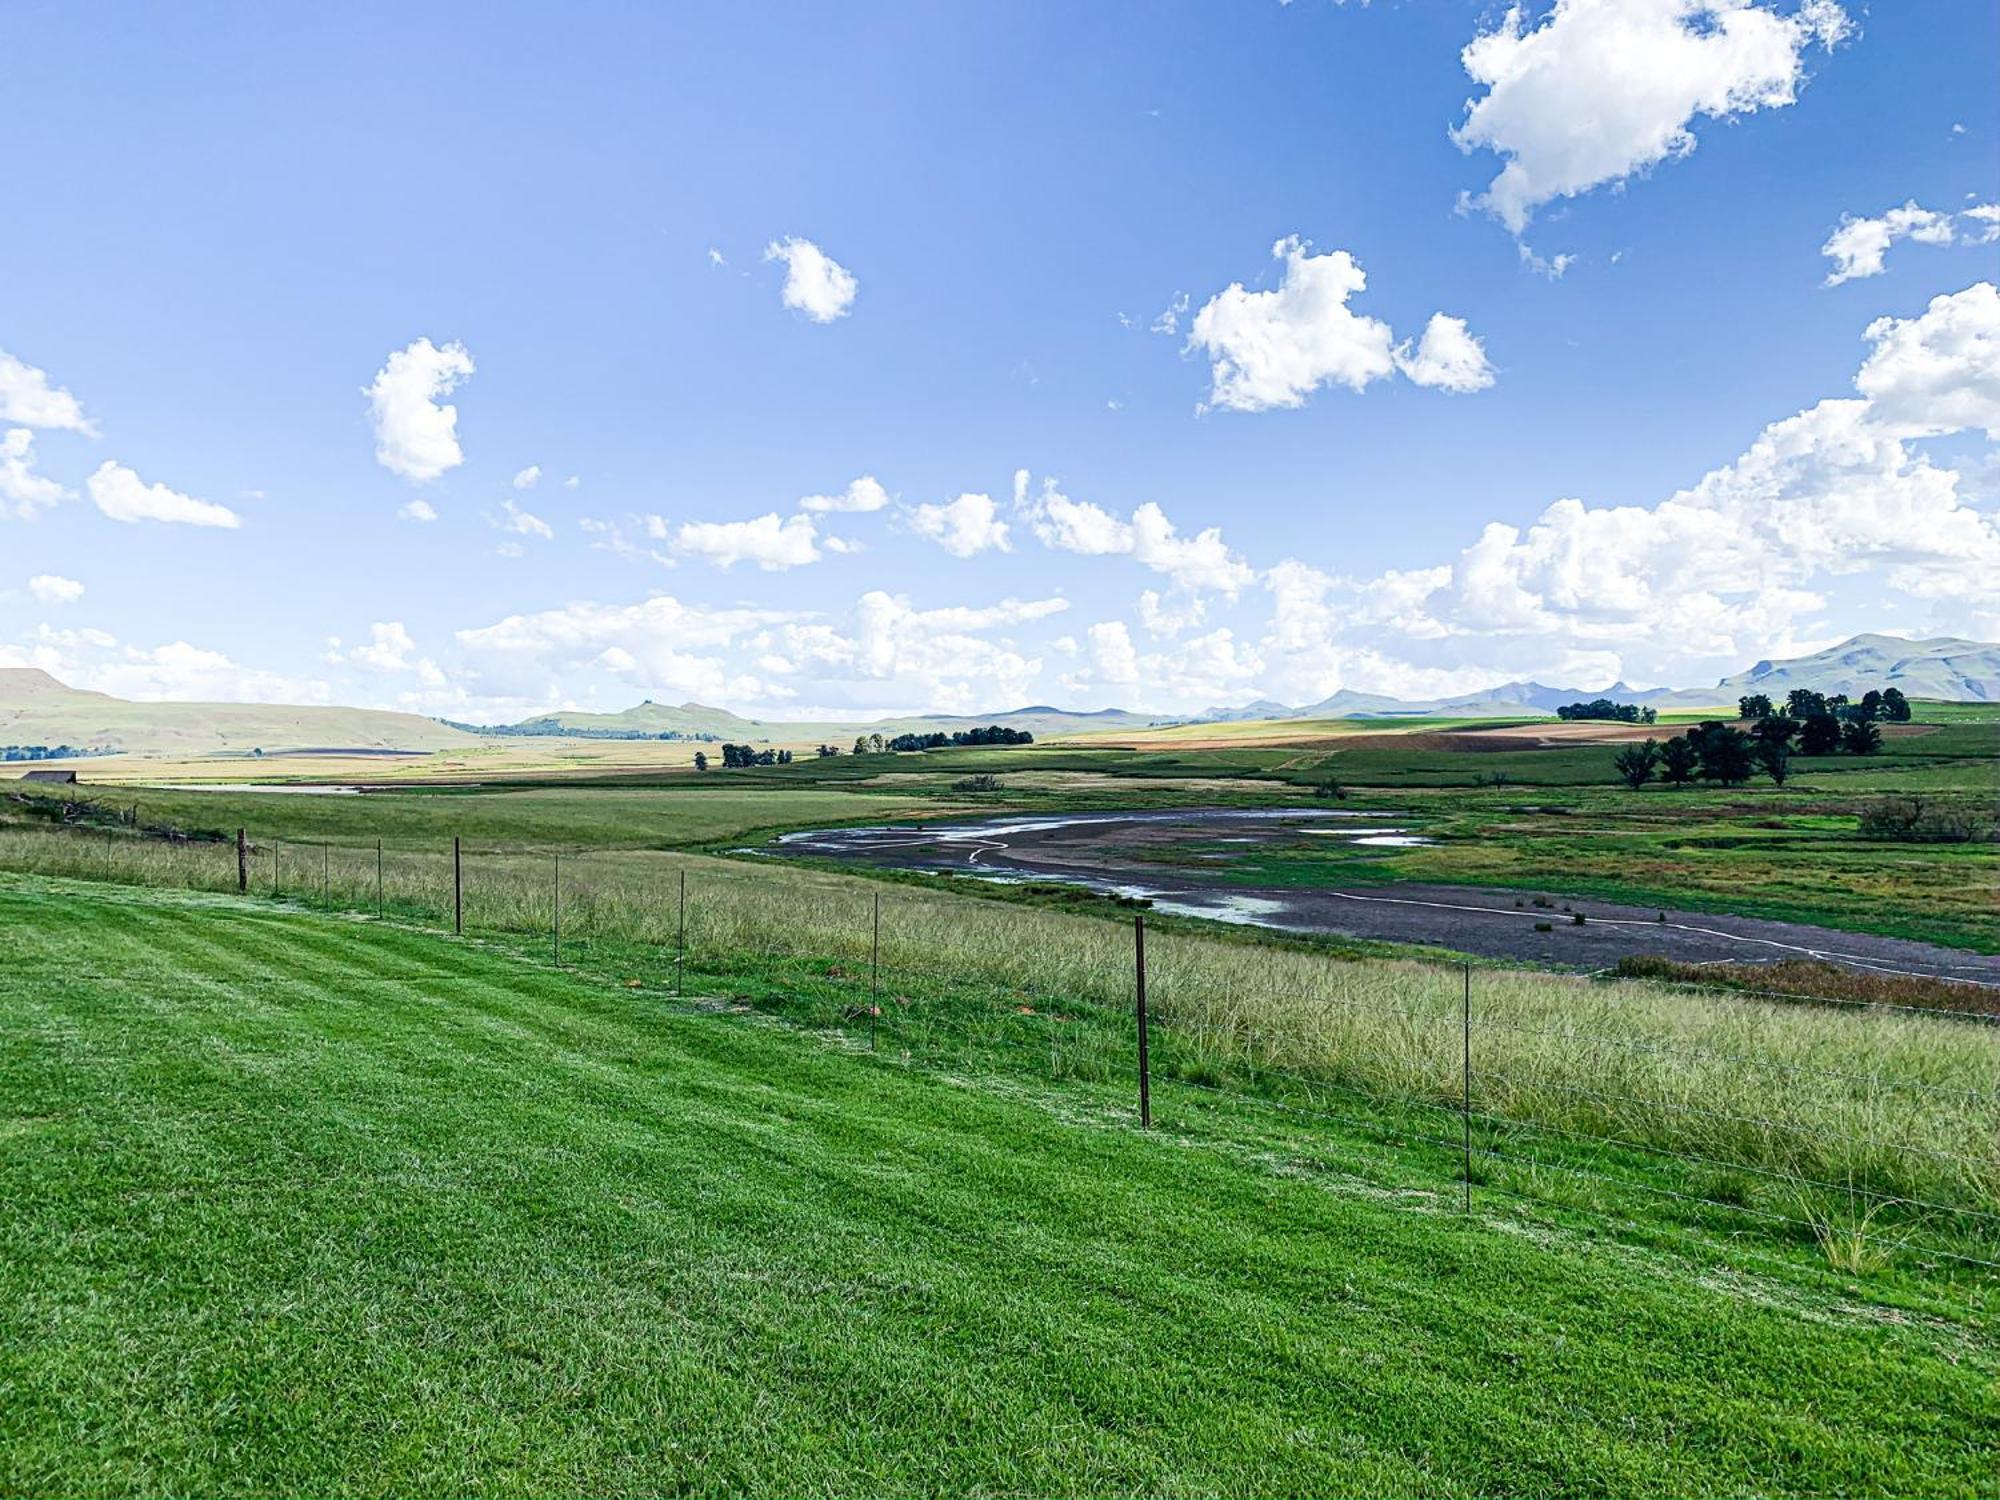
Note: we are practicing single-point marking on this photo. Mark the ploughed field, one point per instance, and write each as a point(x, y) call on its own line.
point(1263, 867)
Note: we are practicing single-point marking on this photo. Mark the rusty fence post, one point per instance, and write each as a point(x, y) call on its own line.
point(242, 863)
point(378, 877)
point(1145, 1063)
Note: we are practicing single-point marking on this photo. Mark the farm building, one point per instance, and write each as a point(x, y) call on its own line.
point(65, 778)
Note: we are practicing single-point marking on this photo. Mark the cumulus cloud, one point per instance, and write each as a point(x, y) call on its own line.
point(421, 511)
point(177, 671)
point(1275, 348)
point(1937, 373)
point(1202, 563)
point(660, 646)
point(772, 542)
point(964, 527)
point(815, 283)
point(390, 650)
point(1448, 357)
point(863, 494)
point(53, 589)
point(890, 652)
point(1198, 673)
point(1832, 502)
point(1598, 90)
point(24, 494)
point(27, 397)
point(528, 478)
point(122, 495)
point(1860, 246)
point(416, 434)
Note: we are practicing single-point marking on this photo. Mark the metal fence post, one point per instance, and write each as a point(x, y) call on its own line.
point(378, 877)
point(558, 911)
point(277, 855)
point(1465, 1092)
point(681, 941)
point(325, 877)
point(1145, 1064)
point(457, 889)
point(242, 863)
point(875, 975)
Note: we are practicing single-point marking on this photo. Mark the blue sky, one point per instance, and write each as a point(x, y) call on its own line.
point(224, 221)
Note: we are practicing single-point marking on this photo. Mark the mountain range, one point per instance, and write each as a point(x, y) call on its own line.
point(36, 709)
point(1955, 670)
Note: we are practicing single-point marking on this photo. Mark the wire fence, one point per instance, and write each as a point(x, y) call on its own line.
point(1870, 1132)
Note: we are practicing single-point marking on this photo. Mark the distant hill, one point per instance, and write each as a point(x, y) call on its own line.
point(1954, 670)
point(36, 709)
point(1962, 671)
point(699, 721)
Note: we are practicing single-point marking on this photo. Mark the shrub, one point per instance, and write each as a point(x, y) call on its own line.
point(980, 783)
point(1917, 820)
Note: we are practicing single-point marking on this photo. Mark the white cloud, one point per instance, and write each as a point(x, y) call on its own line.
point(1598, 90)
point(123, 496)
point(1449, 357)
point(1170, 616)
point(24, 494)
point(772, 542)
point(421, 511)
point(176, 672)
point(27, 397)
point(863, 494)
point(1112, 655)
point(1939, 372)
point(1860, 246)
point(416, 435)
point(1210, 669)
point(573, 481)
point(1832, 502)
point(893, 653)
point(1169, 320)
point(53, 589)
point(1199, 563)
point(528, 478)
point(815, 283)
point(964, 527)
point(390, 650)
point(517, 522)
point(1275, 348)
point(660, 646)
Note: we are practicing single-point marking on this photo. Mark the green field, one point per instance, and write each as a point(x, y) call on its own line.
point(306, 1203)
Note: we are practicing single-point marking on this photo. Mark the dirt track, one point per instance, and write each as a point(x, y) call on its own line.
point(1106, 852)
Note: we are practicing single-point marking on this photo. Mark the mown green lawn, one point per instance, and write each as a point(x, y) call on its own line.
point(291, 1203)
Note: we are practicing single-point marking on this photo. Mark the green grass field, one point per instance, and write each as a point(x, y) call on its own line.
point(314, 1203)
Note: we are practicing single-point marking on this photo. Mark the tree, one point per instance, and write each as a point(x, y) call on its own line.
point(701, 760)
point(1775, 756)
point(1861, 737)
point(1895, 707)
point(1776, 730)
point(1635, 763)
point(1819, 735)
point(1678, 759)
point(1871, 705)
point(861, 744)
point(1753, 706)
point(1804, 703)
point(828, 752)
point(1724, 753)
point(875, 745)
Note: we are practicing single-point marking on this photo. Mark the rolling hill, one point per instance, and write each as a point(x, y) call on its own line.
point(36, 709)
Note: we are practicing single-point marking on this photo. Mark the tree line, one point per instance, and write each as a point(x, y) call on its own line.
point(1812, 724)
point(992, 734)
point(1606, 708)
